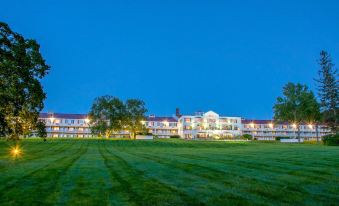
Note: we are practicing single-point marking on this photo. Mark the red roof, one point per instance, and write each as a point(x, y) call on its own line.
point(257, 121)
point(63, 116)
point(84, 116)
point(249, 121)
point(161, 119)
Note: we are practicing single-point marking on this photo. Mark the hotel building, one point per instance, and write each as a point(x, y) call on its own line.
point(162, 127)
point(66, 125)
point(208, 125)
point(198, 126)
point(268, 130)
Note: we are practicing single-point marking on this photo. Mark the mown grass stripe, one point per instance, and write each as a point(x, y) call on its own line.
point(260, 184)
point(26, 168)
point(136, 184)
point(41, 182)
point(225, 186)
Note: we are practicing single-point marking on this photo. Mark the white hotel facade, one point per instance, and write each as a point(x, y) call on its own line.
point(209, 125)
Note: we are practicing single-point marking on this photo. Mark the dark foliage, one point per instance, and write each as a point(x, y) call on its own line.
point(328, 89)
point(21, 94)
point(175, 136)
point(332, 139)
point(247, 136)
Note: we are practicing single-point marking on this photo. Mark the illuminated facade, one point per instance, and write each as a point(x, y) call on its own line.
point(201, 125)
point(66, 125)
point(162, 127)
point(208, 125)
point(267, 130)
point(77, 125)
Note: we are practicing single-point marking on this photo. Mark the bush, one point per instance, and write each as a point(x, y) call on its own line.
point(279, 138)
point(144, 133)
point(247, 136)
point(331, 139)
point(175, 136)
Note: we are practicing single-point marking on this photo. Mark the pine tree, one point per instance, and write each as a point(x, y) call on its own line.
point(328, 90)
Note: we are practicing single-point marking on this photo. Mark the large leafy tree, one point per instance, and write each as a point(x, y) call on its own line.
point(110, 115)
point(328, 90)
point(107, 115)
point(135, 114)
point(21, 94)
point(298, 105)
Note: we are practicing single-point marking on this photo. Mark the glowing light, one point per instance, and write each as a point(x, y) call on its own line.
point(310, 126)
point(52, 119)
point(294, 125)
point(165, 123)
point(142, 122)
point(87, 120)
point(252, 124)
point(270, 125)
point(16, 151)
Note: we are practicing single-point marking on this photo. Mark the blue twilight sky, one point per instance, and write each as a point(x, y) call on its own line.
point(232, 57)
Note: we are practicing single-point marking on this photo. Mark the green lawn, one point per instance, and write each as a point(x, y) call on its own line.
point(168, 172)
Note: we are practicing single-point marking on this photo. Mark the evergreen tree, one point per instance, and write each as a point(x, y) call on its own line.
point(328, 90)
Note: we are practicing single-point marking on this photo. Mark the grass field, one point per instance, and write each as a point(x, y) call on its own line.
point(168, 172)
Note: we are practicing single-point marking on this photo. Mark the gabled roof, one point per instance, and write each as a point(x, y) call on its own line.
point(211, 113)
point(63, 116)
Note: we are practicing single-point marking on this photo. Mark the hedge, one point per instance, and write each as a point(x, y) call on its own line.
point(279, 138)
point(175, 136)
point(332, 139)
point(247, 136)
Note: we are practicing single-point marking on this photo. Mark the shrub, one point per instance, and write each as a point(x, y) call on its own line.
point(144, 133)
point(247, 136)
point(279, 138)
point(175, 136)
point(332, 139)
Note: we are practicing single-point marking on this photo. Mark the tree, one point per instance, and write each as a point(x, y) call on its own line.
point(297, 105)
point(107, 115)
point(328, 90)
point(41, 129)
point(21, 94)
point(135, 114)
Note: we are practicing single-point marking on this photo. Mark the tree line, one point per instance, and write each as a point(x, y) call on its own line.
point(298, 105)
point(22, 67)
